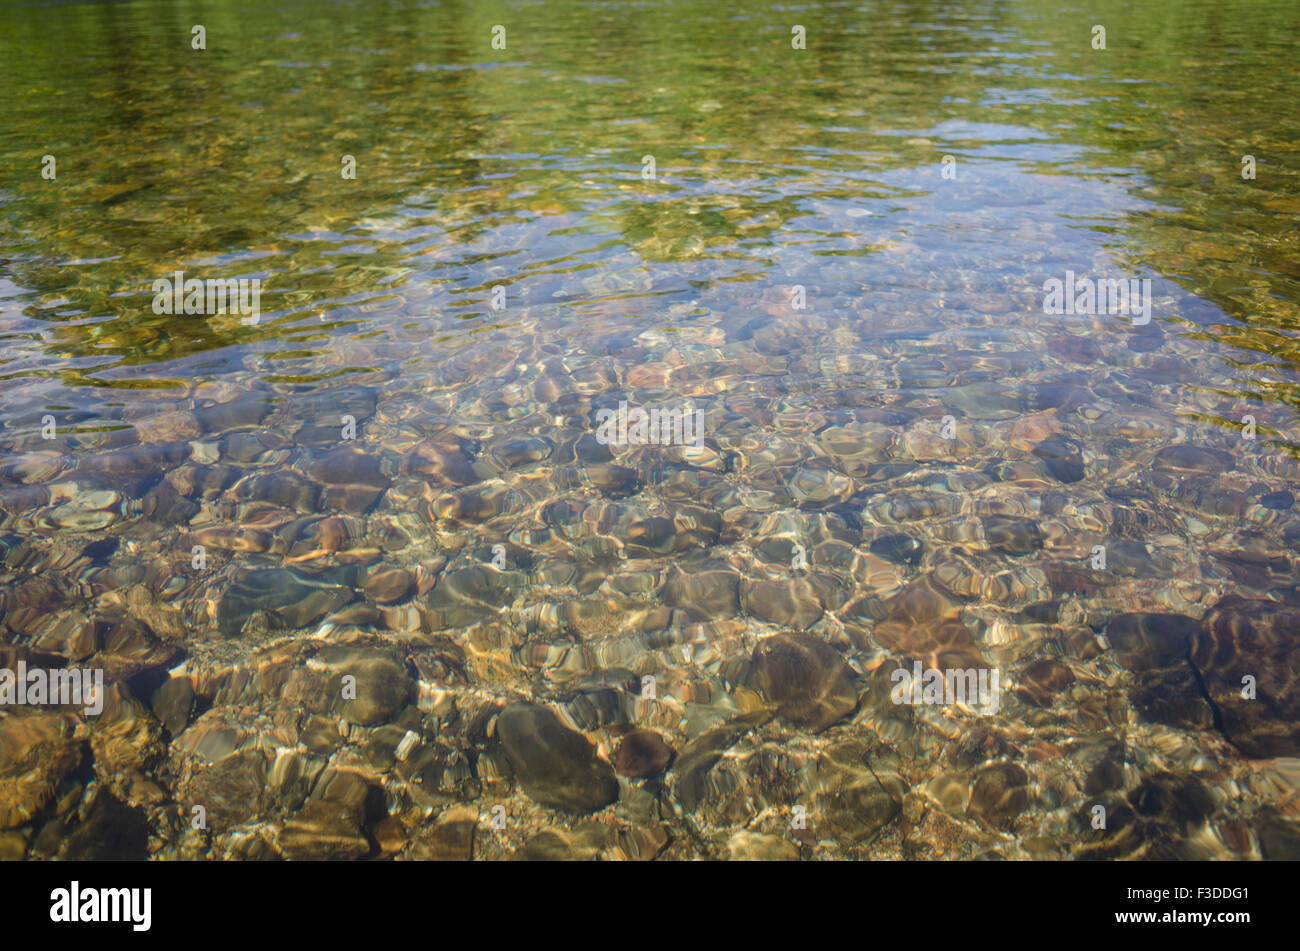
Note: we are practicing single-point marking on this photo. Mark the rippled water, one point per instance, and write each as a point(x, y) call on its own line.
point(363, 576)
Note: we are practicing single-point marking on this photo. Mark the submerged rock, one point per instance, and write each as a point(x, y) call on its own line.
point(703, 595)
point(580, 844)
point(1186, 458)
point(1000, 793)
point(38, 751)
point(231, 790)
point(1278, 501)
point(747, 846)
point(1142, 640)
point(1043, 680)
point(111, 832)
point(444, 460)
point(807, 679)
point(450, 839)
point(468, 595)
point(352, 478)
point(1243, 638)
point(1012, 536)
point(616, 482)
point(132, 471)
point(172, 704)
point(288, 599)
point(323, 831)
point(1152, 821)
point(1074, 349)
point(556, 766)
point(791, 604)
point(635, 843)
point(389, 585)
point(520, 451)
point(1063, 458)
point(642, 753)
point(379, 685)
point(698, 757)
point(898, 548)
point(855, 794)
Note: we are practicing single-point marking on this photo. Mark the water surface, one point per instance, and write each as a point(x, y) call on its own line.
point(639, 651)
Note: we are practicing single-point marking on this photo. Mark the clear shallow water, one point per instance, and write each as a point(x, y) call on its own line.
point(322, 557)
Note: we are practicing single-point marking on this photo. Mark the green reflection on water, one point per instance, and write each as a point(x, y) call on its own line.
point(472, 161)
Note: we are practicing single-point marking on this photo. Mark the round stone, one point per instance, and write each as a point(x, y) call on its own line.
point(1278, 501)
point(807, 679)
point(1000, 793)
point(1063, 458)
point(555, 765)
point(521, 451)
point(642, 753)
point(898, 548)
point(1186, 458)
point(389, 585)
